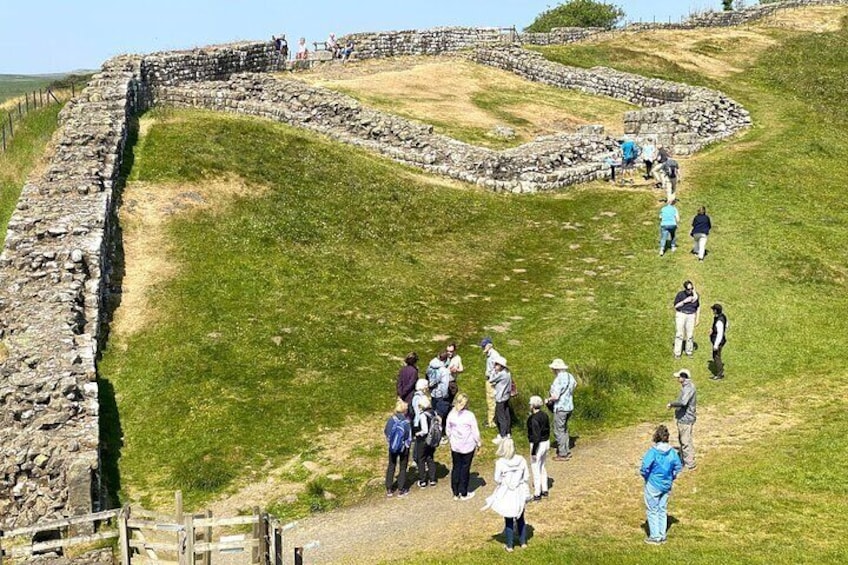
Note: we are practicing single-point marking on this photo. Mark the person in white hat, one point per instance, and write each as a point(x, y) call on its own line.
point(562, 397)
point(501, 379)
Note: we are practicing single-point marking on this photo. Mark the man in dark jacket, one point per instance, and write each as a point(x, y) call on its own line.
point(406, 379)
point(687, 310)
point(718, 337)
point(684, 413)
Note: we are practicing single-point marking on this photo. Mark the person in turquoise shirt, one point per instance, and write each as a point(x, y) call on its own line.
point(669, 218)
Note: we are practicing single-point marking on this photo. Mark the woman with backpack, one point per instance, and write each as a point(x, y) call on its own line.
point(464, 435)
point(399, 437)
point(660, 466)
point(427, 437)
point(511, 494)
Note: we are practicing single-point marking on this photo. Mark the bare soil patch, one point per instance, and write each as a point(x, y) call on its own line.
point(598, 491)
point(147, 208)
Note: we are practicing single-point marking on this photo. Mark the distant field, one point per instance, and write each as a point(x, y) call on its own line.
point(16, 85)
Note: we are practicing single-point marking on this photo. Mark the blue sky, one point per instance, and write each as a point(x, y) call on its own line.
point(61, 35)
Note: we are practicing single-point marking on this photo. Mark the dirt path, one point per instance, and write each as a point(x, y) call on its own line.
point(599, 479)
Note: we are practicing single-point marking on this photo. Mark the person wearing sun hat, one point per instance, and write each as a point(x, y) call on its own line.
point(684, 412)
point(562, 397)
point(501, 379)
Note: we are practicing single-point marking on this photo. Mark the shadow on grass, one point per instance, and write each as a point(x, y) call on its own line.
point(670, 522)
point(111, 433)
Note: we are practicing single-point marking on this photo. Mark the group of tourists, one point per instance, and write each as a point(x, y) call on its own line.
point(660, 167)
point(336, 48)
point(431, 411)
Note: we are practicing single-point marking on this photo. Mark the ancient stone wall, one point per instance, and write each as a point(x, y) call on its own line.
point(682, 117)
point(55, 265)
point(54, 283)
point(435, 41)
point(540, 165)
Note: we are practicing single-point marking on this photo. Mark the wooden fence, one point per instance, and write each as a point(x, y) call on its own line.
point(31, 101)
point(152, 537)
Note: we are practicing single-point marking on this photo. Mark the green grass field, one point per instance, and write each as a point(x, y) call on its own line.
point(31, 136)
point(351, 261)
point(16, 85)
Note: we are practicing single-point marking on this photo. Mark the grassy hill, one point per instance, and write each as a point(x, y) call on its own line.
point(292, 275)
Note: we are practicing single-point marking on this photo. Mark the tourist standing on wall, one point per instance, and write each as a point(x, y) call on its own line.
point(701, 226)
point(660, 466)
point(687, 312)
point(464, 437)
point(510, 496)
point(501, 379)
point(718, 337)
point(302, 51)
point(281, 45)
point(539, 436)
point(684, 412)
point(669, 218)
point(562, 397)
point(491, 354)
point(398, 434)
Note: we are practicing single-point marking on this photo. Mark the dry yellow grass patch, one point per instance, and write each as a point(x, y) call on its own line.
point(454, 91)
point(721, 52)
point(147, 208)
point(816, 19)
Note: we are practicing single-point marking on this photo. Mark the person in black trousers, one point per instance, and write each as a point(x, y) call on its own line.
point(718, 337)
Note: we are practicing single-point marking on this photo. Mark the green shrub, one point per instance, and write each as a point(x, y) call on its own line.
point(577, 13)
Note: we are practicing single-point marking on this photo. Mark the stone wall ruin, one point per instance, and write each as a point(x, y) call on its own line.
point(55, 271)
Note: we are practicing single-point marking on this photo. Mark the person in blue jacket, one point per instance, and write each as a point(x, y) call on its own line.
point(660, 467)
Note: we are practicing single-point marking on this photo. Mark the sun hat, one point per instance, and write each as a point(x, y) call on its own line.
point(500, 360)
point(683, 373)
point(558, 364)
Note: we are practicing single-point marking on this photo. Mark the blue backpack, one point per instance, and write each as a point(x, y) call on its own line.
point(398, 435)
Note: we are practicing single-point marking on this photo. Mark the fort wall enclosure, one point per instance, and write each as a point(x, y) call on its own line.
point(56, 265)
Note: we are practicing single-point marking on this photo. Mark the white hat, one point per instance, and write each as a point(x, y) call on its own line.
point(500, 360)
point(558, 364)
point(422, 384)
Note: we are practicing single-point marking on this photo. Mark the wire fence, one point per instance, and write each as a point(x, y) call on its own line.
point(13, 113)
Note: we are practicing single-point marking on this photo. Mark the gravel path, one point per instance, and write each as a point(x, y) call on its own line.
point(602, 473)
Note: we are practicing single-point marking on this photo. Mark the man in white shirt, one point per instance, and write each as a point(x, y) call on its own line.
point(491, 354)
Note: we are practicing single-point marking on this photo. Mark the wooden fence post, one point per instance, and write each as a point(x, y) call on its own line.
point(11, 129)
point(189, 533)
point(208, 555)
point(178, 503)
point(124, 535)
point(26, 99)
point(264, 533)
point(4, 150)
point(257, 532)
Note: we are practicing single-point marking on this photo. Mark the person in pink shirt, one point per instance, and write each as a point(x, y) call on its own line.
point(464, 436)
